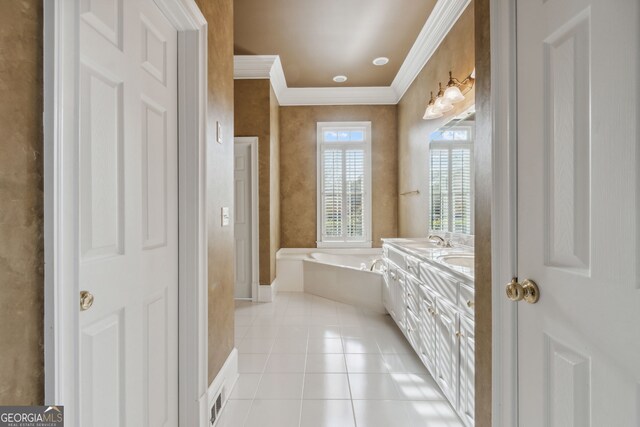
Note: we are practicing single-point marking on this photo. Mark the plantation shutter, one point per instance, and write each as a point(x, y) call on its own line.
point(354, 180)
point(461, 190)
point(332, 194)
point(439, 190)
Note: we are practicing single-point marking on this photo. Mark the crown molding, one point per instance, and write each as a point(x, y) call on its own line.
point(381, 95)
point(444, 15)
point(253, 66)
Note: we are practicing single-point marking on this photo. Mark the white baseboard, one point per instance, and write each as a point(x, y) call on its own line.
point(267, 293)
point(224, 381)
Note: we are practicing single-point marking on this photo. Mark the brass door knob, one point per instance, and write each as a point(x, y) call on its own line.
point(527, 291)
point(86, 300)
point(531, 291)
point(514, 290)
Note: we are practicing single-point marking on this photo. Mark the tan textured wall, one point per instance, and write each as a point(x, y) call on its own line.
point(219, 15)
point(256, 114)
point(274, 206)
point(298, 180)
point(483, 155)
point(21, 204)
point(455, 53)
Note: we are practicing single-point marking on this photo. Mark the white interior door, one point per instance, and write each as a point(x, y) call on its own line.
point(243, 220)
point(579, 346)
point(128, 214)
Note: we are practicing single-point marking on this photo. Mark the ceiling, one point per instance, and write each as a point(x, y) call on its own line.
point(319, 39)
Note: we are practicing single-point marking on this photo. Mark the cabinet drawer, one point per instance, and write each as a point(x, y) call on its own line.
point(396, 257)
point(444, 285)
point(466, 299)
point(413, 266)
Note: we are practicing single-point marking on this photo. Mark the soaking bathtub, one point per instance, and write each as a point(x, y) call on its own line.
point(344, 277)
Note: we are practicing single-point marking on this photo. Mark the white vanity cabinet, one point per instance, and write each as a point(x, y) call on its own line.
point(434, 309)
point(466, 396)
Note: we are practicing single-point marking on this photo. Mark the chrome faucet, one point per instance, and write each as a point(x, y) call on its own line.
point(373, 264)
point(441, 242)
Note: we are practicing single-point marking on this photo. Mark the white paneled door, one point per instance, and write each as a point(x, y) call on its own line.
point(579, 345)
point(243, 219)
point(128, 215)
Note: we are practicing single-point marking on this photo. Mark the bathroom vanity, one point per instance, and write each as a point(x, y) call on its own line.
point(428, 291)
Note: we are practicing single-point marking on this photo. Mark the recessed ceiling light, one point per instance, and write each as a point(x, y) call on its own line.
point(340, 79)
point(381, 61)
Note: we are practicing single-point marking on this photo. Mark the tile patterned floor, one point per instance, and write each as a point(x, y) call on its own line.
point(306, 361)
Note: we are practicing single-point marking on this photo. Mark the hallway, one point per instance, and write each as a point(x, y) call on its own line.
point(310, 362)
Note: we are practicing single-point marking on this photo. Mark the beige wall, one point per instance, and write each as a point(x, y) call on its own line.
point(455, 53)
point(219, 15)
point(484, 194)
point(274, 196)
point(21, 204)
point(256, 114)
point(298, 180)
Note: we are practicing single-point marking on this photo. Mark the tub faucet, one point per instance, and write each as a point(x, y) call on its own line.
point(373, 264)
point(441, 242)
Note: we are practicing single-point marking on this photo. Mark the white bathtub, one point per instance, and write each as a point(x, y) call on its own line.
point(344, 277)
point(345, 260)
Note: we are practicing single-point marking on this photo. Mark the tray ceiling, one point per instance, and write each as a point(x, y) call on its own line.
point(318, 39)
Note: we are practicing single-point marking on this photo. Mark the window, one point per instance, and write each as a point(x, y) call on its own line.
point(344, 184)
point(451, 180)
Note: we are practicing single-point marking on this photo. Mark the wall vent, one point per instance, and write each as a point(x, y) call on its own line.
point(216, 407)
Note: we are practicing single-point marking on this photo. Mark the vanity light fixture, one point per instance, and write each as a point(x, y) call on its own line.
point(454, 93)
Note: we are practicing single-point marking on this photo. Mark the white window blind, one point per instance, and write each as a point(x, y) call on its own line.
point(344, 184)
point(451, 181)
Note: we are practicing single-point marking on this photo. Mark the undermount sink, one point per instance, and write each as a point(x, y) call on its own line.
point(421, 245)
point(458, 260)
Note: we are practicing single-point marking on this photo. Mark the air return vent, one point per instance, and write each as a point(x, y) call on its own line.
point(216, 407)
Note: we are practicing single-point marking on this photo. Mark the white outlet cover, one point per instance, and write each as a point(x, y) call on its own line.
point(226, 220)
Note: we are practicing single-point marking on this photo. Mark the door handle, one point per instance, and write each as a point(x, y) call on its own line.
point(86, 300)
point(527, 291)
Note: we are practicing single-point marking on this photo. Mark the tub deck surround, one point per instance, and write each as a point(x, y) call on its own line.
point(289, 263)
point(306, 361)
point(429, 292)
point(345, 278)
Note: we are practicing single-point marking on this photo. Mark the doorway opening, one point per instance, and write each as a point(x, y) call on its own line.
point(246, 216)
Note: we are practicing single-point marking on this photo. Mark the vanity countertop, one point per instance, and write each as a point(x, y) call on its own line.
point(457, 260)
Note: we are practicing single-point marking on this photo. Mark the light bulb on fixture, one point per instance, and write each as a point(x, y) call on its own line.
point(432, 112)
point(442, 104)
point(453, 94)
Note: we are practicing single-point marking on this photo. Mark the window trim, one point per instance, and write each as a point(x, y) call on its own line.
point(366, 242)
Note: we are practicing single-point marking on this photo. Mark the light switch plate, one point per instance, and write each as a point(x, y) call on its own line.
point(225, 216)
point(219, 132)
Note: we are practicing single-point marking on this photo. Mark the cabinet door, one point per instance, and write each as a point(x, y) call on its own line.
point(386, 286)
point(447, 351)
point(428, 330)
point(400, 304)
point(467, 370)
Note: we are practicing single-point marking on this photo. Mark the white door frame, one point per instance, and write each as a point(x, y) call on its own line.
point(252, 141)
point(61, 207)
point(504, 212)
